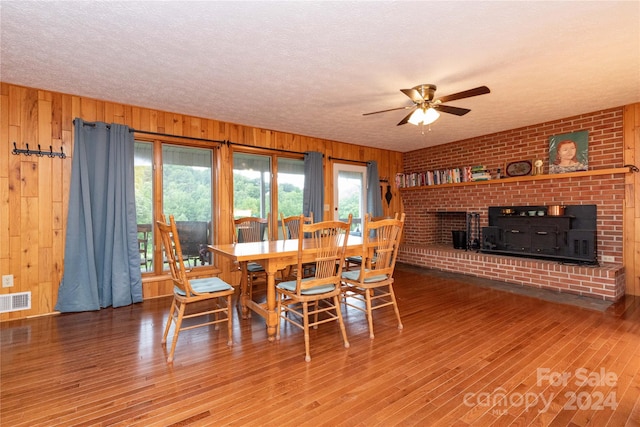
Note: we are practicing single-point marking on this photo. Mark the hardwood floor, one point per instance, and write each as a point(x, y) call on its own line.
point(468, 355)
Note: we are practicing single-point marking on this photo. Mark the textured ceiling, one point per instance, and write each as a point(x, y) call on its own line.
point(313, 68)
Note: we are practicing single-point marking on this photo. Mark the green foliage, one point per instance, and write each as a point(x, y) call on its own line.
point(289, 199)
point(186, 193)
point(247, 194)
point(349, 205)
point(144, 191)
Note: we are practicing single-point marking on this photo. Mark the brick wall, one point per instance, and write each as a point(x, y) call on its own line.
point(494, 151)
point(606, 282)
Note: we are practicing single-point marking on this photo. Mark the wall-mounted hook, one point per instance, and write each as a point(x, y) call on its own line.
point(37, 152)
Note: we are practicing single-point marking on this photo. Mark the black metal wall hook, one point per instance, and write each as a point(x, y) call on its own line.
point(38, 152)
point(633, 168)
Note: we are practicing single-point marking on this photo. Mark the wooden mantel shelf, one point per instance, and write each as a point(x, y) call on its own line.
point(596, 172)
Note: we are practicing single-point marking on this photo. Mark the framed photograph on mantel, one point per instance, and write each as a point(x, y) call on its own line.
point(568, 152)
point(518, 168)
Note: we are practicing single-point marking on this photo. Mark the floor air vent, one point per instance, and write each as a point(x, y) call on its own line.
point(15, 302)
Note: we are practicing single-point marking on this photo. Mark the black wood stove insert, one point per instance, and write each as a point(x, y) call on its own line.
point(529, 231)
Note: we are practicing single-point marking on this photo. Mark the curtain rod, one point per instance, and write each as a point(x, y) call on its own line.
point(132, 130)
point(227, 142)
point(179, 136)
point(265, 148)
point(349, 160)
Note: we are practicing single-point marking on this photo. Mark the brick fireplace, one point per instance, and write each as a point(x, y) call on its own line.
point(424, 244)
point(446, 223)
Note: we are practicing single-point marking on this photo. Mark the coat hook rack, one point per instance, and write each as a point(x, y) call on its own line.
point(38, 152)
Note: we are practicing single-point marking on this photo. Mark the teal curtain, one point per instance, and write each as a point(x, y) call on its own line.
point(374, 196)
point(101, 258)
point(313, 192)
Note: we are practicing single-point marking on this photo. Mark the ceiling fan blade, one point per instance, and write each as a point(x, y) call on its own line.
point(413, 94)
point(452, 110)
point(481, 90)
point(390, 109)
point(406, 119)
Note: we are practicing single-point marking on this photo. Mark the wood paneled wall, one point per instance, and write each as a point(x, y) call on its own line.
point(34, 190)
point(631, 239)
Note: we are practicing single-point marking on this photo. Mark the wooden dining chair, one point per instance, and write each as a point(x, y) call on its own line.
point(371, 285)
point(187, 291)
point(252, 229)
point(310, 301)
point(291, 224)
point(291, 230)
point(356, 260)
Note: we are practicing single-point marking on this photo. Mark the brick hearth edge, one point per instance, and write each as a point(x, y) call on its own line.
point(606, 282)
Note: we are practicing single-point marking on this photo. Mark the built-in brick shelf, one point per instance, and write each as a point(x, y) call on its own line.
point(605, 282)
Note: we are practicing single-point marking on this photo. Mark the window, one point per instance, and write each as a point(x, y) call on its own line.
point(143, 170)
point(253, 189)
point(290, 188)
point(186, 193)
point(350, 184)
point(251, 185)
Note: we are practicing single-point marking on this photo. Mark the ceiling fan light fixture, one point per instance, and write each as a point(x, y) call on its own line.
point(425, 108)
point(417, 117)
point(430, 116)
point(424, 116)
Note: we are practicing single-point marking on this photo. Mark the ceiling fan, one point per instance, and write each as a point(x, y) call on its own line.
point(426, 109)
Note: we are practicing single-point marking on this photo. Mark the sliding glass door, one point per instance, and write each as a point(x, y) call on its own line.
point(184, 178)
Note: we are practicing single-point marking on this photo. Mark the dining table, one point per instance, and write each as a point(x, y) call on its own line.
point(274, 256)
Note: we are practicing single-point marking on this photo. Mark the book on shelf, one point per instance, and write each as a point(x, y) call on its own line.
point(443, 176)
point(480, 173)
point(440, 176)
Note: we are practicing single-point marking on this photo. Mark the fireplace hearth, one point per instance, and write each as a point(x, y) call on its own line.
point(449, 222)
point(529, 231)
